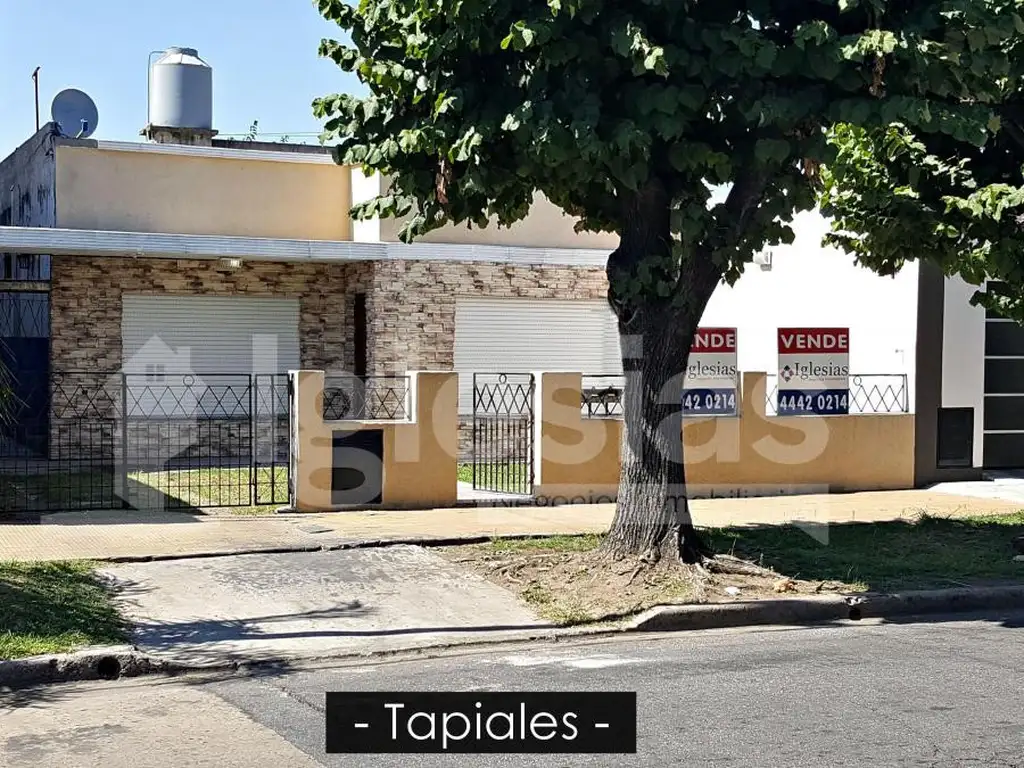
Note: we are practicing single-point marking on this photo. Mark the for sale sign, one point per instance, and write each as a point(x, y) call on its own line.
point(710, 383)
point(814, 371)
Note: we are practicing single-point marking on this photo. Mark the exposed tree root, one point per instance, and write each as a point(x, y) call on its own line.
point(736, 566)
point(636, 572)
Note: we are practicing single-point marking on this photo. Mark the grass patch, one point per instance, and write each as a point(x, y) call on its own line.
point(59, 490)
point(164, 489)
point(929, 552)
point(54, 608)
point(553, 608)
point(496, 475)
point(567, 582)
point(584, 543)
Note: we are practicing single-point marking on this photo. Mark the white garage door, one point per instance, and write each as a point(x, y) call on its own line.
point(216, 340)
point(528, 335)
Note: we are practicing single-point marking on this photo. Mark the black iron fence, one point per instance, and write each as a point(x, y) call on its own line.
point(366, 398)
point(88, 440)
point(869, 394)
point(503, 440)
point(602, 396)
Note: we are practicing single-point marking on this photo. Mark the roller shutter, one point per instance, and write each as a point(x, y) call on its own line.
point(499, 335)
point(218, 340)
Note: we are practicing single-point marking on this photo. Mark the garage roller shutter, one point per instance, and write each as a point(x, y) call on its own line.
point(218, 339)
point(528, 335)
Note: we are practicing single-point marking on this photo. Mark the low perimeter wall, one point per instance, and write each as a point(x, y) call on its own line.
point(413, 463)
point(416, 465)
point(753, 454)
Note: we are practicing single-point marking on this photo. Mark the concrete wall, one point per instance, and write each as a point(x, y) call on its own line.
point(963, 357)
point(546, 226)
point(28, 183)
point(138, 191)
point(419, 467)
point(579, 458)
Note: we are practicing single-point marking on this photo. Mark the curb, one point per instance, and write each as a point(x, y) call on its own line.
point(831, 608)
point(111, 663)
point(115, 662)
point(100, 663)
point(415, 541)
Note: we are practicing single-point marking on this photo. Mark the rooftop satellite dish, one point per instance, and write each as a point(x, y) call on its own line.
point(75, 113)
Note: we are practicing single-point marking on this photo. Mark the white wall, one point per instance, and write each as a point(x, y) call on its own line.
point(813, 286)
point(365, 188)
point(963, 356)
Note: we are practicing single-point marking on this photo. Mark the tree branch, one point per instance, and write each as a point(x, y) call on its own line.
point(699, 270)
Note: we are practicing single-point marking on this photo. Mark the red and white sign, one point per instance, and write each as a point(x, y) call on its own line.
point(710, 383)
point(714, 340)
point(814, 371)
point(814, 341)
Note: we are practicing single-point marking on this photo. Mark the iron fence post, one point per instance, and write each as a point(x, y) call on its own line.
point(124, 441)
point(253, 383)
point(475, 446)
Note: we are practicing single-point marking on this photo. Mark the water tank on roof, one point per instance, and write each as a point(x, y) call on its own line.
point(181, 90)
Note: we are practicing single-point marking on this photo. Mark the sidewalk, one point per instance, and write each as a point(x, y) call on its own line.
point(120, 535)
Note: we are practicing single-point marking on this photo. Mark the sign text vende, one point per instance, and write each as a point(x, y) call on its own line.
point(714, 340)
point(814, 340)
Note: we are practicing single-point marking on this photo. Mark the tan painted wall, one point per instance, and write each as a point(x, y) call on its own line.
point(150, 192)
point(578, 458)
point(546, 226)
point(420, 469)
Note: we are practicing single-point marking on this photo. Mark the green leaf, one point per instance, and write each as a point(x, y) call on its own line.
point(771, 150)
point(766, 56)
point(692, 97)
point(679, 157)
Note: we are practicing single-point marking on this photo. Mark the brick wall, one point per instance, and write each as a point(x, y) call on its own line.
point(412, 320)
point(410, 306)
point(413, 314)
point(85, 302)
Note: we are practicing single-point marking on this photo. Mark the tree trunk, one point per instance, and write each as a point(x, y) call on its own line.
point(652, 516)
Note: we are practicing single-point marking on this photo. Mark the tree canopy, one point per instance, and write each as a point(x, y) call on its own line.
point(904, 191)
point(475, 104)
point(901, 117)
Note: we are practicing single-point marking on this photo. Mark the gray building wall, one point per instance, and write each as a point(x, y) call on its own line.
point(27, 182)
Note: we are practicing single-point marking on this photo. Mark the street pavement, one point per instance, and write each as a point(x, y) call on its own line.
point(310, 604)
point(939, 693)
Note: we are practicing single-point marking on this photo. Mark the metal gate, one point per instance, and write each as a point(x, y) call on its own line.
point(147, 441)
point(503, 409)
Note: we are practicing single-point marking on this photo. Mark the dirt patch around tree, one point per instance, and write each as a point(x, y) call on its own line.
point(567, 581)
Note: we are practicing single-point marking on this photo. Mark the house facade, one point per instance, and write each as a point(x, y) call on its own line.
point(241, 259)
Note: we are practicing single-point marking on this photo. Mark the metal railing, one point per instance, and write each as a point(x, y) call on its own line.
point(870, 393)
point(602, 396)
point(367, 398)
point(94, 439)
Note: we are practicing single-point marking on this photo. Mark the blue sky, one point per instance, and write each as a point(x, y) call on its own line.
point(263, 54)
